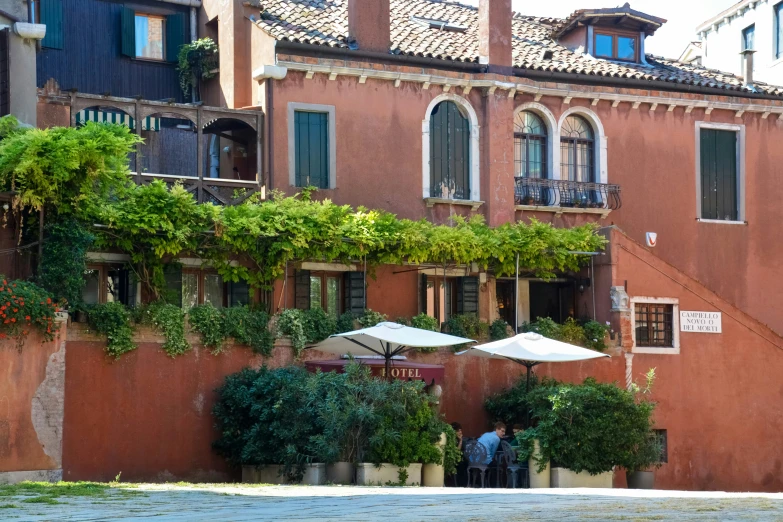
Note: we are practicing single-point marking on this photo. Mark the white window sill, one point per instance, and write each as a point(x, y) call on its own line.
point(776, 62)
point(474, 205)
point(603, 212)
point(655, 351)
point(721, 221)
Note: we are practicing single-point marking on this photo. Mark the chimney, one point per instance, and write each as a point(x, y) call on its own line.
point(495, 35)
point(748, 62)
point(369, 25)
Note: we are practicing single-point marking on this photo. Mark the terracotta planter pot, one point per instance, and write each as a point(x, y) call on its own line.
point(640, 479)
point(432, 476)
point(340, 473)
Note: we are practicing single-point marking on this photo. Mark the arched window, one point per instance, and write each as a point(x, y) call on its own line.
point(529, 146)
point(449, 152)
point(577, 150)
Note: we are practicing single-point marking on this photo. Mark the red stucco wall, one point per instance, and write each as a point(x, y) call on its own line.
point(22, 371)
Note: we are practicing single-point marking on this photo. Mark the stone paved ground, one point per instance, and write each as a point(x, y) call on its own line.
point(244, 503)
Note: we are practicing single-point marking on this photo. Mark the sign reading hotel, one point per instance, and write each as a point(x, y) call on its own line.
point(700, 322)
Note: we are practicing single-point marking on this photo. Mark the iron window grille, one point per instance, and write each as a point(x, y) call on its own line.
point(654, 325)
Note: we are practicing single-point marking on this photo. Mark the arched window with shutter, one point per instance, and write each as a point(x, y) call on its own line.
point(449, 152)
point(530, 147)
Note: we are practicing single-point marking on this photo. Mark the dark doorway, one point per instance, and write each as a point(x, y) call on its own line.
point(553, 300)
point(505, 296)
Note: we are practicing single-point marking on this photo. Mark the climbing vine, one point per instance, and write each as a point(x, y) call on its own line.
point(114, 321)
point(169, 320)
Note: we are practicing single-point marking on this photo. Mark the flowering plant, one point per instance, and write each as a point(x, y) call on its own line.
point(24, 306)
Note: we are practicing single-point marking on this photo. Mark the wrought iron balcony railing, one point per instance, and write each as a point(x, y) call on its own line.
point(562, 193)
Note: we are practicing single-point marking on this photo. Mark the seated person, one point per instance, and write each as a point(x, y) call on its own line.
point(460, 478)
point(491, 440)
point(458, 430)
point(517, 429)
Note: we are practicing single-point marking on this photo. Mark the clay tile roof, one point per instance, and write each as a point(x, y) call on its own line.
point(325, 22)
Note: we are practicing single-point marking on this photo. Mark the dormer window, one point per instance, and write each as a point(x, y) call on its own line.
point(616, 46)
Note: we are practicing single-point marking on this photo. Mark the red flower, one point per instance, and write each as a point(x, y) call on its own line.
point(16, 310)
point(27, 317)
point(13, 319)
point(2, 336)
point(6, 321)
point(48, 300)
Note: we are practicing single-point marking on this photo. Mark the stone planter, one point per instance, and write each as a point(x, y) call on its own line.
point(340, 473)
point(370, 475)
point(542, 479)
point(315, 475)
point(432, 476)
point(565, 478)
point(640, 479)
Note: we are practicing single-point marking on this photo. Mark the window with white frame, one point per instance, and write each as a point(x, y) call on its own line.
point(720, 150)
point(312, 146)
point(655, 325)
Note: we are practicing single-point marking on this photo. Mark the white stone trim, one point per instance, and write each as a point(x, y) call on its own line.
point(600, 156)
point(740, 130)
point(539, 89)
point(673, 350)
point(327, 267)
point(553, 135)
point(312, 107)
point(475, 129)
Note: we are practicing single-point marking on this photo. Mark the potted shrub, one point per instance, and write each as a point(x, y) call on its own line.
point(639, 466)
point(267, 421)
point(586, 430)
point(434, 474)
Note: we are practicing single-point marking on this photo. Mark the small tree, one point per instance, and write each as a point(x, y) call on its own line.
point(197, 61)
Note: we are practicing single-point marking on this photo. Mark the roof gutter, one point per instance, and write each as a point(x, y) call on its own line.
point(323, 51)
point(585, 79)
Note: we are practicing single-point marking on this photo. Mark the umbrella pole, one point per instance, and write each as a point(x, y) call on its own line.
point(388, 357)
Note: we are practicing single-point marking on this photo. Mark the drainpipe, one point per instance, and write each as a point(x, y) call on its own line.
point(31, 11)
point(193, 24)
point(189, 3)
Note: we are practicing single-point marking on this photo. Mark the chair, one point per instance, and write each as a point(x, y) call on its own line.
point(513, 466)
point(476, 455)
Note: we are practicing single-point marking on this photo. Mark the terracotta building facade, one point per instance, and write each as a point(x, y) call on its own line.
point(430, 109)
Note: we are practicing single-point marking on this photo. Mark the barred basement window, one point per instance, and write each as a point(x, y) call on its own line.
point(654, 325)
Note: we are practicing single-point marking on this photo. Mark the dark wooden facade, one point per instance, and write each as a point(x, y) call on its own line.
point(91, 57)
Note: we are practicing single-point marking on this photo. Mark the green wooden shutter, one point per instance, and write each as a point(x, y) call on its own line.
point(467, 295)
point(311, 149)
point(302, 289)
point(719, 174)
point(354, 292)
point(449, 152)
point(5, 73)
point(173, 275)
point(175, 35)
point(52, 17)
point(128, 32)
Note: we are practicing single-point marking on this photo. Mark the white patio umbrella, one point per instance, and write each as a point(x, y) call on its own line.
point(530, 349)
point(387, 340)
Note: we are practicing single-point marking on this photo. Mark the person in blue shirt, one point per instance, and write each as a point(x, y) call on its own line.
point(491, 440)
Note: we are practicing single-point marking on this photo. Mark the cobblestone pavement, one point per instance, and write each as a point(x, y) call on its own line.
point(241, 503)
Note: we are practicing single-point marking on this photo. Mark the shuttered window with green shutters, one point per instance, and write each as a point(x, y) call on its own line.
point(51, 15)
point(354, 292)
point(467, 295)
point(449, 152)
point(173, 276)
point(719, 175)
point(175, 35)
point(311, 149)
point(441, 297)
point(128, 32)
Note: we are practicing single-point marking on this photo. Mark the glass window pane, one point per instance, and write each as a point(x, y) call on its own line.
point(332, 297)
point(238, 294)
point(213, 290)
point(603, 45)
point(149, 37)
point(189, 291)
point(315, 292)
point(626, 48)
point(91, 291)
point(748, 35)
